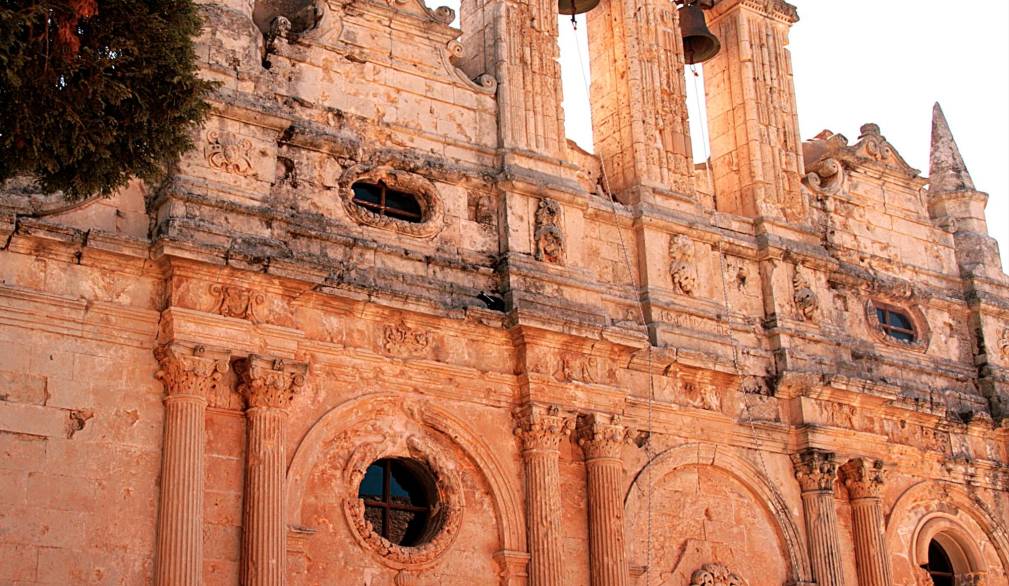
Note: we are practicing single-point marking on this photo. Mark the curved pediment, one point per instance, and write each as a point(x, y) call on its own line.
point(872, 151)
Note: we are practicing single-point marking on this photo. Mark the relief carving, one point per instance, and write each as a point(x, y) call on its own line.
point(269, 382)
point(803, 295)
point(1003, 343)
point(600, 438)
point(681, 261)
point(548, 235)
point(583, 368)
point(826, 176)
point(425, 192)
point(402, 340)
point(815, 470)
point(715, 575)
point(234, 301)
point(229, 153)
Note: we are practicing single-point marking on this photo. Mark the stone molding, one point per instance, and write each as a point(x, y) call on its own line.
point(815, 469)
point(269, 382)
point(189, 370)
point(863, 478)
point(541, 428)
point(602, 437)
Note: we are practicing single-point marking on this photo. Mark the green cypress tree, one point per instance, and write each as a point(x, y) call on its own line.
point(94, 92)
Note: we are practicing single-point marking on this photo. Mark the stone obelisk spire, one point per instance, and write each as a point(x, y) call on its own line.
point(946, 170)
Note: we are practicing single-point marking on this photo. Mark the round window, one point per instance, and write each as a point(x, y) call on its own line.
point(400, 501)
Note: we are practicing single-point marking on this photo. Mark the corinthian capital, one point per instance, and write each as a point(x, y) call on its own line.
point(189, 370)
point(542, 428)
point(815, 469)
point(602, 437)
point(863, 478)
point(269, 382)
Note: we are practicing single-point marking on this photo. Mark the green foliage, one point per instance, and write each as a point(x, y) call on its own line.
point(94, 93)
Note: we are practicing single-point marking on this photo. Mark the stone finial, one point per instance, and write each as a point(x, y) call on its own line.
point(815, 469)
point(542, 428)
point(189, 371)
point(269, 382)
point(947, 171)
point(863, 478)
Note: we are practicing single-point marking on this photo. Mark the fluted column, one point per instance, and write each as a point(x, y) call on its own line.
point(541, 431)
point(268, 385)
point(863, 479)
point(816, 470)
point(188, 374)
point(602, 440)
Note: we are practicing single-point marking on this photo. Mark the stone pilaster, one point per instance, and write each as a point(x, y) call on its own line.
point(815, 471)
point(639, 98)
point(756, 153)
point(268, 386)
point(602, 440)
point(541, 431)
point(189, 375)
point(863, 480)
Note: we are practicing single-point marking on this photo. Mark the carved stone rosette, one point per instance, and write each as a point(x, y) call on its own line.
point(815, 471)
point(189, 374)
point(715, 575)
point(541, 431)
point(268, 386)
point(603, 441)
point(864, 479)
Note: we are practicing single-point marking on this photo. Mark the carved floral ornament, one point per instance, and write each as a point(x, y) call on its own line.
point(804, 296)
point(542, 429)
point(186, 371)
point(863, 478)
point(430, 201)
point(235, 301)
point(402, 340)
point(815, 470)
point(446, 515)
point(715, 575)
point(267, 382)
point(228, 152)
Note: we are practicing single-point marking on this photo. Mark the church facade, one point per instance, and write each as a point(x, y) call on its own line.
point(385, 325)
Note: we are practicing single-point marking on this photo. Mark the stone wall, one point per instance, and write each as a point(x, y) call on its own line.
point(610, 383)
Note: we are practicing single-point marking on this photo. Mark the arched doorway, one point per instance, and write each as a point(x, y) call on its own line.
point(939, 567)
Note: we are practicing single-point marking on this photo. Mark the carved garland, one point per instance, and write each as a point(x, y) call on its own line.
point(432, 207)
point(446, 516)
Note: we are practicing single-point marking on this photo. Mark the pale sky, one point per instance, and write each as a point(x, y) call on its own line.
point(888, 62)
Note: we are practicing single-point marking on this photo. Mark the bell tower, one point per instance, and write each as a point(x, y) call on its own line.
point(756, 153)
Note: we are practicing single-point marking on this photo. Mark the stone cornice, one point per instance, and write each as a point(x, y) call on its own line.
point(269, 382)
point(186, 370)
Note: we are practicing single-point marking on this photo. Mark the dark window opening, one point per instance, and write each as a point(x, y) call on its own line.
point(896, 324)
point(380, 199)
point(399, 496)
point(939, 568)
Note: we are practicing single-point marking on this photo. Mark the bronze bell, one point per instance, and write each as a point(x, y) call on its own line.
point(699, 44)
point(571, 7)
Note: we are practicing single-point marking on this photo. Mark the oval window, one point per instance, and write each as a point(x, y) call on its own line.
point(382, 200)
point(400, 500)
point(895, 323)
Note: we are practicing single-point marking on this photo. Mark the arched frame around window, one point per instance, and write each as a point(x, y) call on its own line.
point(955, 541)
point(432, 209)
point(919, 325)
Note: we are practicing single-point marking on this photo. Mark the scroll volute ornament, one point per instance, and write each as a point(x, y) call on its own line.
point(863, 478)
point(269, 382)
point(815, 470)
point(190, 371)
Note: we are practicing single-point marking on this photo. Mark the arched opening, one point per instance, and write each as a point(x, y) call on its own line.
point(939, 566)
